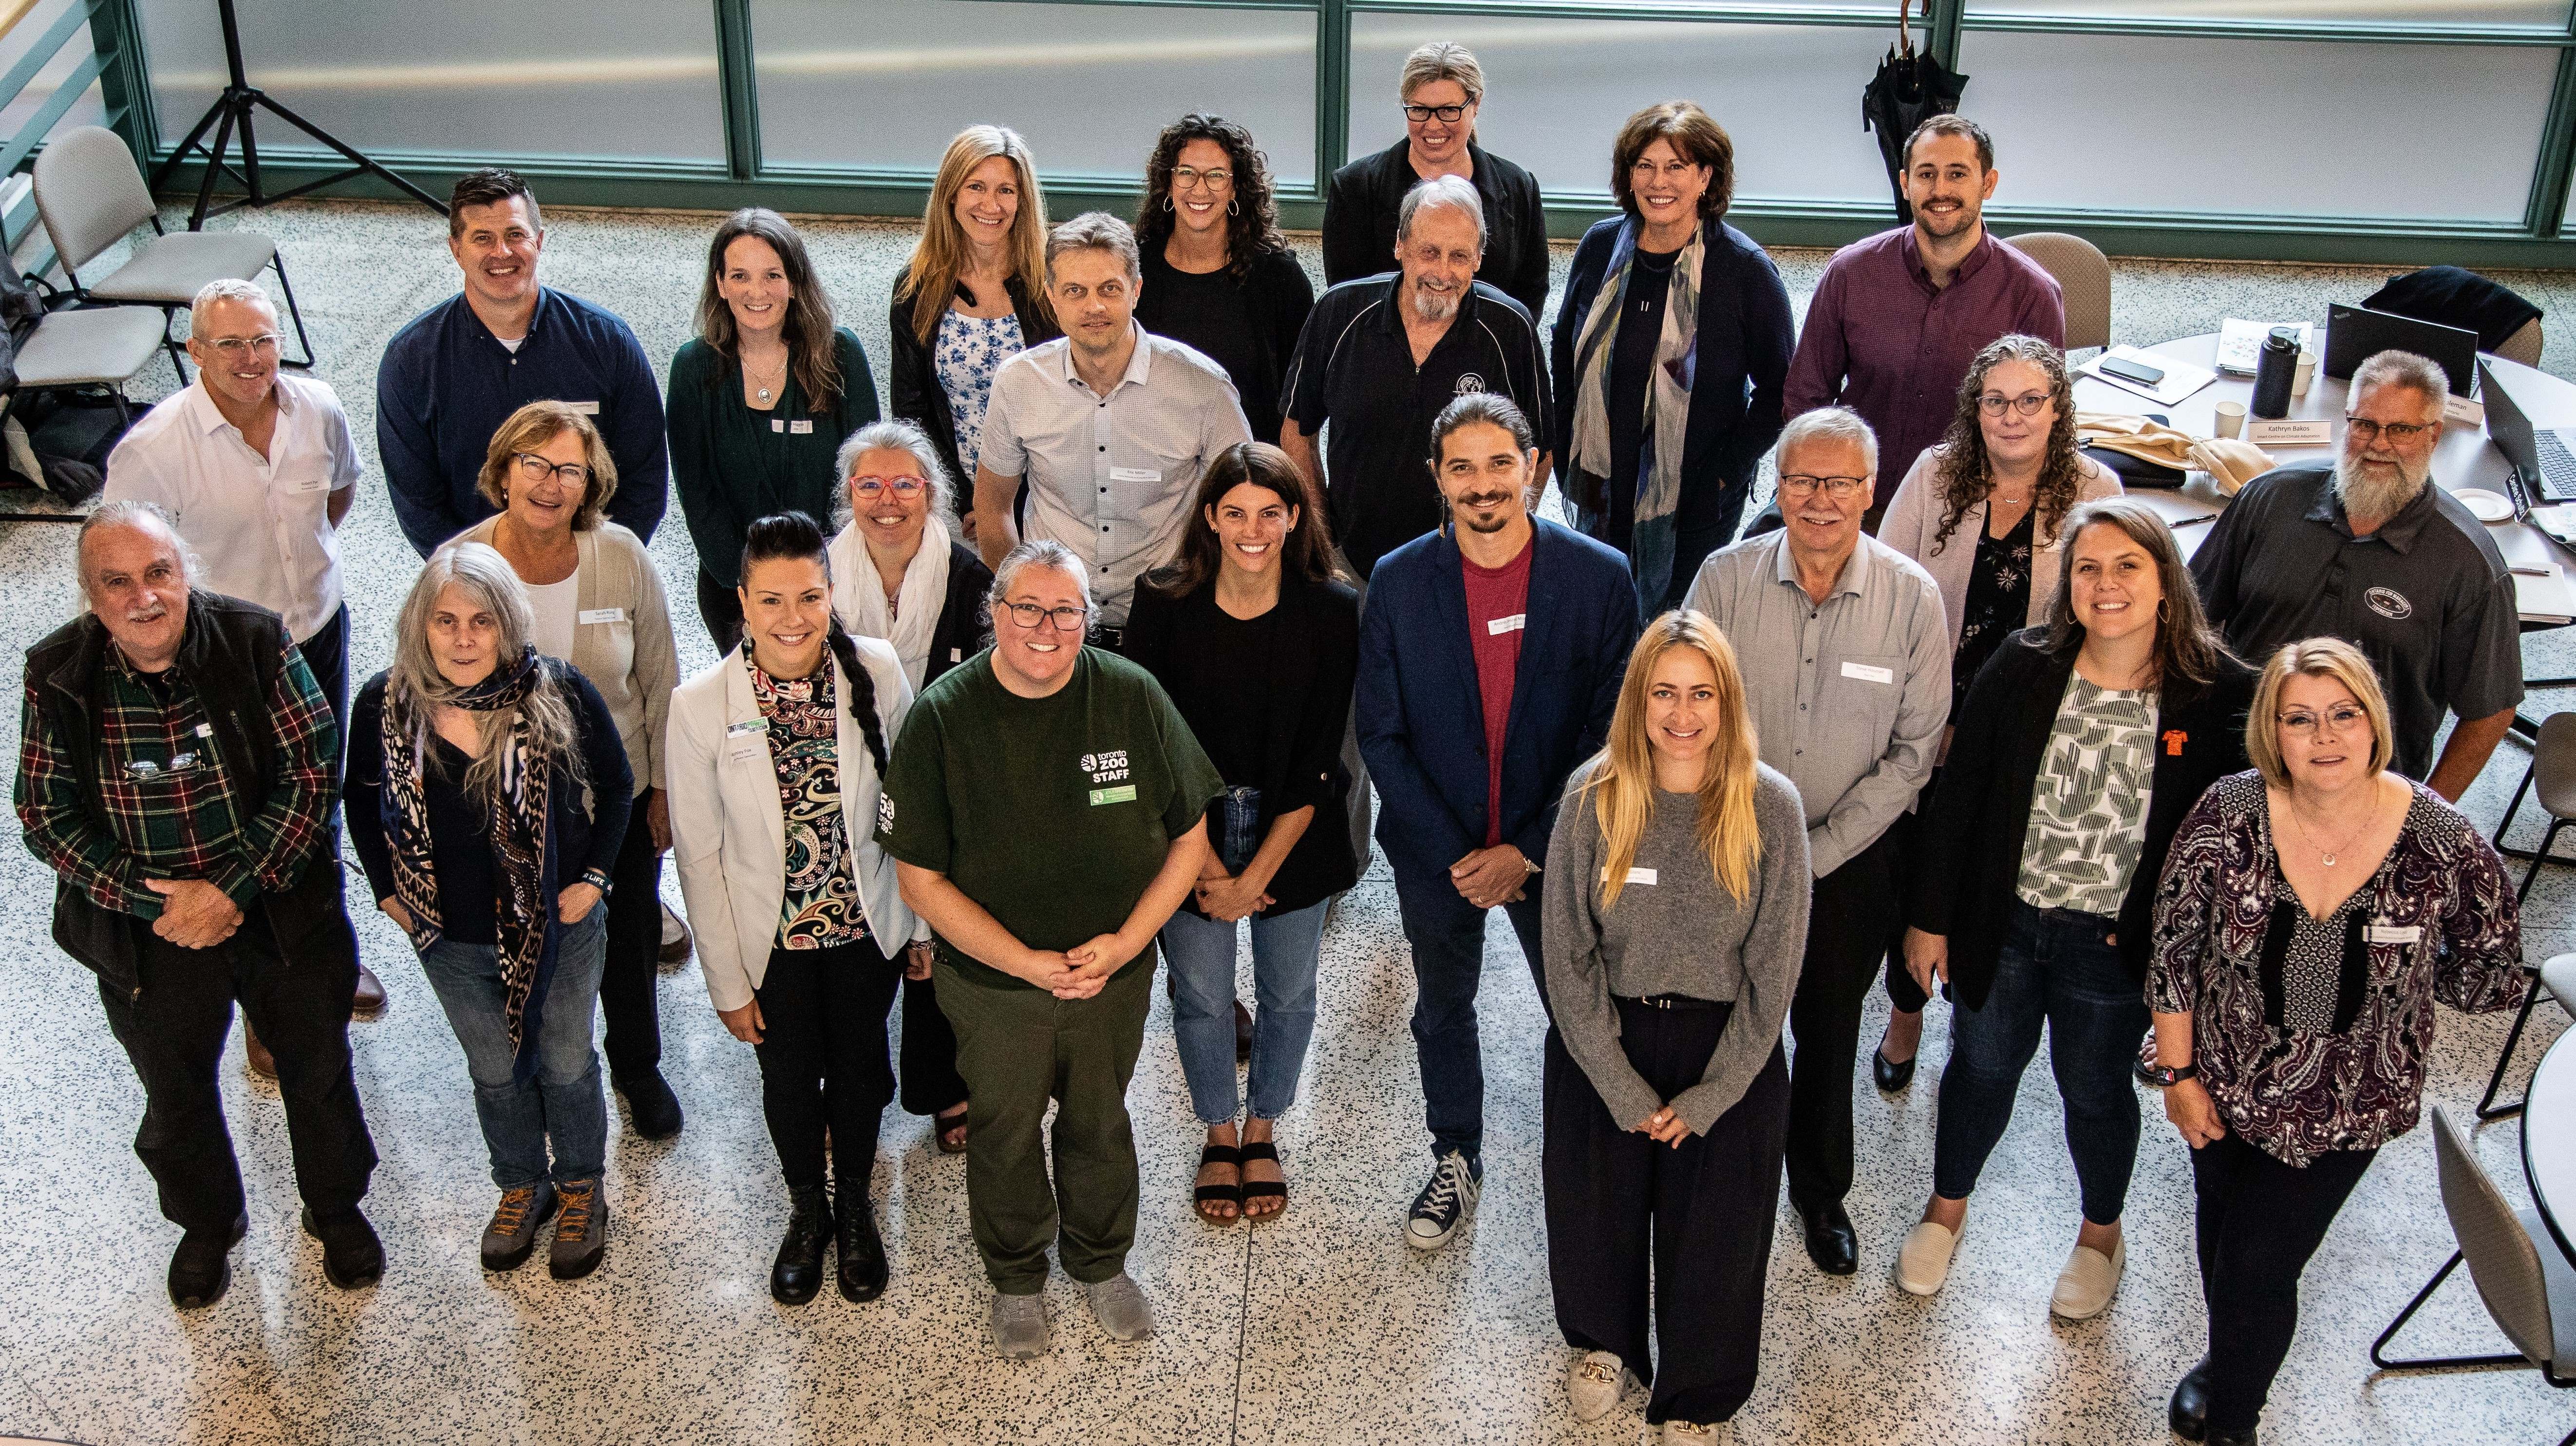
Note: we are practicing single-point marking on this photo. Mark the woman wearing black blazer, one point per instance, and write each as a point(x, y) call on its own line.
point(2081, 747)
point(1669, 353)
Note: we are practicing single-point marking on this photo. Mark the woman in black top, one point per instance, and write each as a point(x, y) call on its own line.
point(1217, 273)
point(1258, 645)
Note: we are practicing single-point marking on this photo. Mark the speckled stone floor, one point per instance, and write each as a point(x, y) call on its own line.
point(1322, 1327)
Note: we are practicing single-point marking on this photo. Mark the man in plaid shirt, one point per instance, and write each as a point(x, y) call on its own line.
point(177, 770)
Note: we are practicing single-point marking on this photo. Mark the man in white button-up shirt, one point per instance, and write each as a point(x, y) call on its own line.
point(1109, 425)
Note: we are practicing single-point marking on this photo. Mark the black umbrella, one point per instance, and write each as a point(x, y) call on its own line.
point(1907, 88)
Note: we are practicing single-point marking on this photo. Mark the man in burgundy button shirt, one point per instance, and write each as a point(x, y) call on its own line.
point(1898, 317)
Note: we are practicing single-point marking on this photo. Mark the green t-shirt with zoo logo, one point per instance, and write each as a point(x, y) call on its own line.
point(1053, 813)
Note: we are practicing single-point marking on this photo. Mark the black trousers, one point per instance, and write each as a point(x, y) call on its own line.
point(931, 1082)
point(1847, 928)
point(173, 1029)
point(629, 1004)
point(327, 654)
point(823, 1060)
point(1623, 1210)
point(2260, 1222)
point(720, 608)
point(1902, 992)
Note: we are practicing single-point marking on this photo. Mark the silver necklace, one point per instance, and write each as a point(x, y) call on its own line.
point(2329, 854)
point(779, 380)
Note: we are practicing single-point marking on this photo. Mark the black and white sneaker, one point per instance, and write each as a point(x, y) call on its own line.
point(1444, 1204)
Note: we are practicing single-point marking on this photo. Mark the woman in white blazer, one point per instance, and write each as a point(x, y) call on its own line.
point(777, 759)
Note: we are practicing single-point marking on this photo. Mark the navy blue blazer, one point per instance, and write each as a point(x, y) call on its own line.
point(1421, 712)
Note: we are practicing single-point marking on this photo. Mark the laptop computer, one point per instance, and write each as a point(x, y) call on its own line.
point(2356, 333)
point(2544, 457)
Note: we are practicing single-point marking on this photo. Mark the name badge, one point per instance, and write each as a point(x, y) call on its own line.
point(1134, 474)
point(957, 655)
point(1123, 793)
point(748, 725)
point(1869, 673)
point(205, 730)
point(1635, 876)
point(800, 428)
point(744, 752)
point(777, 425)
point(1512, 624)
point(2394, 933)
point(587, 409)
point(603, 615)
point(304, 486)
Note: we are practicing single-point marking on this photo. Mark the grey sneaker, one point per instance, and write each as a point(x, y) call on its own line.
point(513, 1231)
point(1019, 1327)
point(581, 1234)
point(1119, 1304)
point(1444, 1204)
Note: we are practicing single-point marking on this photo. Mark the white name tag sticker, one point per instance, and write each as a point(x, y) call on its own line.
point(1513, 624)
point(957, 655)
point(205, 730)
point(1641, 876)
point(603, 615)
point(587, 409)
point(744, 752)
point(1134, 474)
point(800, 428)
point(1869, 672)
point(2394, 933)
point(304, 485)
point(748, 725)
point(776, 425)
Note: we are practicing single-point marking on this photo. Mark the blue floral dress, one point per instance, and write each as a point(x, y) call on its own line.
point(965, 354)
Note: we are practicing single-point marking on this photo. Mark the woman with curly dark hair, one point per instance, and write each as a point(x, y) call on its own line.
point(1218, 275)
point(1980, 511)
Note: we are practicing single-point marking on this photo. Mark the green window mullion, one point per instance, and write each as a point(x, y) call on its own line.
point(735, 73)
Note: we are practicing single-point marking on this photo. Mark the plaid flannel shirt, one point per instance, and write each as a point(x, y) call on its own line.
point(172, 811)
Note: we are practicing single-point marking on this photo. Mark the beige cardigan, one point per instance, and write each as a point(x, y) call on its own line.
point(629, 658)
point(1914, 519)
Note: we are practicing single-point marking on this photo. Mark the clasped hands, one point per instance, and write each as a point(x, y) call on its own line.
point(194, 913)
point(1081, 971)
point(1665, 1126)
point(1486, 877)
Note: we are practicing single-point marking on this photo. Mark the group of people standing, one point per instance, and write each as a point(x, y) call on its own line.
point(1093, 652)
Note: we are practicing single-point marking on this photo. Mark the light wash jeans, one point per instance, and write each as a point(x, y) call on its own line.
point(1201, 953)
point(563, 1103)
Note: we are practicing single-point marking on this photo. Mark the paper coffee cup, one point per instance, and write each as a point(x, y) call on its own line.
point(2306, 373)
point(2231, 418)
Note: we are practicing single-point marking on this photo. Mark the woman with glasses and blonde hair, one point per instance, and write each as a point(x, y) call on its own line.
point(2312, 912)
point(596, 602)
point(1981, 512)
point(1217, 275)
point(1675, 908)
point(487, 796)
point(974, 293)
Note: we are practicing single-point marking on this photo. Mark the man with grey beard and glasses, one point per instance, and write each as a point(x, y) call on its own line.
point(2367, 549)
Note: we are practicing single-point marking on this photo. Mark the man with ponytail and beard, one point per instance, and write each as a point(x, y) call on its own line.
point(2367, 549)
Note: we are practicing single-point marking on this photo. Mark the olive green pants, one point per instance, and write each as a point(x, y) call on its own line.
point(1017, 1048)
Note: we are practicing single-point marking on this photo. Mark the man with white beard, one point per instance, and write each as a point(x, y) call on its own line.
point(2367, 549)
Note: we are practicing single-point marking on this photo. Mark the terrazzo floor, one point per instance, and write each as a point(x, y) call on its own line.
point(1322, 1327)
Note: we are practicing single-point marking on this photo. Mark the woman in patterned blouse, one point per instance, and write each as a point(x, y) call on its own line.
point(2081, 748)
point(2311, 913)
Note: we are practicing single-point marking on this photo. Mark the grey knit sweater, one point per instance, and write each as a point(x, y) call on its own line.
point(1682, 933)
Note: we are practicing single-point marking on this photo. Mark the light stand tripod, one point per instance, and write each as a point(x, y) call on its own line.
point(232, 111)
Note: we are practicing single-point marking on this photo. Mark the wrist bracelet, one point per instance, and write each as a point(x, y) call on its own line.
point(597, 879)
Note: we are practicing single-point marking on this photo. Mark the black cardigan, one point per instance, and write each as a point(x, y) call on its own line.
point(1276, 292)
point(1359, 222)
point(964, 627)
point(1970, 856)
point(912, 379)
point(1312, 674)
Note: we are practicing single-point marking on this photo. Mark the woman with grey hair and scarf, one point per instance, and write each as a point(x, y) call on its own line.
point(488, 793)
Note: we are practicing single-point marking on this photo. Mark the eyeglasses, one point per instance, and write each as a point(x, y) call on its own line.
point(2027, 404)
point(899, 486)
point(1066, 620)
point(1447, 114)
point(2397, 433)
point(1841, 489)
point(1188, 178)
point(232, 347)
point(145, 768)
point(2341, 718)
point(537, 469)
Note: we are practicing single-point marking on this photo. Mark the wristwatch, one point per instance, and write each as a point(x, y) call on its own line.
point(2166, 1076)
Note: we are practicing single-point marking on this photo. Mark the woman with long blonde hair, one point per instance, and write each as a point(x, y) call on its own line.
point(1675, 917)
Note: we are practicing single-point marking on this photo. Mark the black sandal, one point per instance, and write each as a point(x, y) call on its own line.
point(942, 1126)
point(1263, 1189)
point(1206, 1195)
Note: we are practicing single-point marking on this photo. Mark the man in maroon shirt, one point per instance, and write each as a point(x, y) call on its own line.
point(1898, 317)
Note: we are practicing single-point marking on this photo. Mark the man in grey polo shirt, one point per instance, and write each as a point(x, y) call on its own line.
point(1111, 426)
point(2367, 549)
point(1846, 660)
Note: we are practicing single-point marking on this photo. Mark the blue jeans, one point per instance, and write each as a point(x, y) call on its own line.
point(2057, 967)
point(1447, 935)
point(1201, 953)
point(563, 1103)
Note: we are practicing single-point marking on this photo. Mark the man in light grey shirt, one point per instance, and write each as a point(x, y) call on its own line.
point(1110, 426)
point(1846, 660)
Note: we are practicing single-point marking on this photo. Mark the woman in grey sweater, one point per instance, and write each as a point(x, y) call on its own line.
point(1675, 914)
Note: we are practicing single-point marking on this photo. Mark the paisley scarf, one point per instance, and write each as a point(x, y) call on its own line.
point(1658, 483)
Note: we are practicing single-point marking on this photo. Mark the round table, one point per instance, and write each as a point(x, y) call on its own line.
point(2549, 1141)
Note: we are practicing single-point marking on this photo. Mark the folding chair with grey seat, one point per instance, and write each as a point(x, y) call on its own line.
point(99, 347)
point(2084, 277)
point(2527, 1282)
point(91, 194)
point(2553, 772)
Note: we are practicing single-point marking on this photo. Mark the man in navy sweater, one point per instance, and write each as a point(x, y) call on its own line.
point(1491, 654)
point(458, 370)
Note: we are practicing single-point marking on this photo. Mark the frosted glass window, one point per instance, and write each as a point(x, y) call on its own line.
point(477, 77)
point(41, 89)
point(2277, 127)
point(1557, 89)
point(2549, 14)
point(886, 83)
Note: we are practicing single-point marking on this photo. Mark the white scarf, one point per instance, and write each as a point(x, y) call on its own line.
point(858, 594)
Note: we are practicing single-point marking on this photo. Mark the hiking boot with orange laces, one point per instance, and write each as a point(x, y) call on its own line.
point(512, 1234)
point(581, 1235)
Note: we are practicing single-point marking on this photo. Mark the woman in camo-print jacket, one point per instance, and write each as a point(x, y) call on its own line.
point(2311, 913)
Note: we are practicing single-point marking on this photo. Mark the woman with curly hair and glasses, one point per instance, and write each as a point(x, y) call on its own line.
point(1218, 276)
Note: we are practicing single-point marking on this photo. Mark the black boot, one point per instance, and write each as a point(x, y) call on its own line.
point(2188, 1412)
point(863, 1261)
point(798, 1271)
